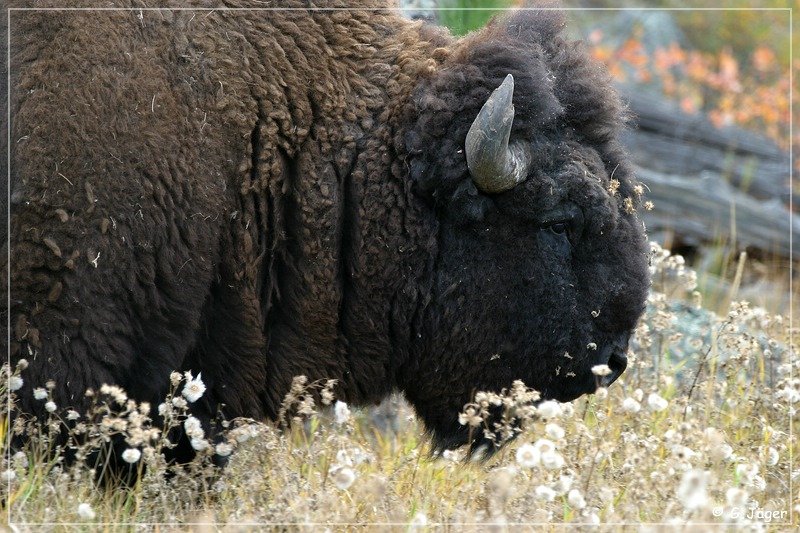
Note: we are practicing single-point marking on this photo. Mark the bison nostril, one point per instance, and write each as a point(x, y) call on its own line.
point(617, 362)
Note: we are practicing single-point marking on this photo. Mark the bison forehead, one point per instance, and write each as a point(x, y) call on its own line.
point(578, 176)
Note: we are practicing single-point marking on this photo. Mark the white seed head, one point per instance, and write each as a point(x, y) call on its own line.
point(772, 456)
point(194, 387)
point(630, 405)
point(528, 456)
point(545, 493)
point(692, 489)
point(656, 403)
point(342, 476)
point(193, 427)
point(131, 455)
point(552, 460)
point(736, 497)
point(554, 431)
point(50, 406)
point(15, 383)
point(40, 393)
point(199, 443)
point(85, 511)
point(223, 449)
point(575, 499)
point(548, 409)
point(341, 412)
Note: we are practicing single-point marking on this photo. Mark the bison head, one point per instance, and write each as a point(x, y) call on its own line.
point(540, 271)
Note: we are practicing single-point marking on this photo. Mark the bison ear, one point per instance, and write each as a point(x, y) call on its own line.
point(533, 25)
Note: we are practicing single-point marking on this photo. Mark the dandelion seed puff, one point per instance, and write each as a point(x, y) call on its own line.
point(638, 395)
point(451, 455)
point(746, 472)
point(554, 431)
point(72, 414)
point(772, 456)
point(552, 461)
point(40, 393)
point(131, 455)
point(544, 493)
point(758, 483)
point(606, 495)
point(528, 456)
point(162, 409)
point(194, 388)
point(601, 370)
point(359, 456)
point(656, 403)
point(343, 458)
point(22, 364)
point(575, 499)
point(736, 497)
point(722, 452)
point(341, 412)
point(9, 475)
point(545, 445)
point(692, 490)
point(567, 410)
point(50, 406)
point(470, 416)
point(85, 511)
point(418, 521)
point(199, 443)
point(15, 383)
point(548, 409)
point(630, 405)
point(223, 449)
point(192, 426)
point(175, 378)
point(601, 393)
point(179, 402)
point(563, 484)
point(342, 476)
point(20, 459)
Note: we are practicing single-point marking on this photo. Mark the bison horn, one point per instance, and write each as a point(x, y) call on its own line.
point(494, 165)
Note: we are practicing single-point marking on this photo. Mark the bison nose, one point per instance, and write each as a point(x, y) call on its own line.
point(617, 362)
point(614, 356)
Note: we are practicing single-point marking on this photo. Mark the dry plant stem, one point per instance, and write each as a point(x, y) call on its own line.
point(700, 367)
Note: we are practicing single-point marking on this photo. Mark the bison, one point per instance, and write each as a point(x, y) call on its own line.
point(256, 194)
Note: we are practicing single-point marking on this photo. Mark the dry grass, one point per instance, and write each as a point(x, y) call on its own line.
point(697, 431)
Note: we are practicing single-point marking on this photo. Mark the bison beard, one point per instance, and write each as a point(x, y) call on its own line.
point(257, 195)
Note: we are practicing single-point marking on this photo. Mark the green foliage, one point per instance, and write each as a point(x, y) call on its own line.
point(464, 16)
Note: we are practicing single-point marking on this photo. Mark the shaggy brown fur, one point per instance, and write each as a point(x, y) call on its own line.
point(256, 195)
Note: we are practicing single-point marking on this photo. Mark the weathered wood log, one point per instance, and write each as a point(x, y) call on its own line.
point(706, 208)
point(668, 140)
point(709, 184)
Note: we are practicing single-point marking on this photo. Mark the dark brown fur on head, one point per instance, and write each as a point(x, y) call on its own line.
point(259, 195)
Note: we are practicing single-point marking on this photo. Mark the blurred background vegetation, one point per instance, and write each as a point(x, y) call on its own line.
point(731, 63)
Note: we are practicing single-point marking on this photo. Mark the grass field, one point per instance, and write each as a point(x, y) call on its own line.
point(693, 435)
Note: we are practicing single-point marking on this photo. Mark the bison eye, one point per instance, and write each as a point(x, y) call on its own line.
point(559, 227)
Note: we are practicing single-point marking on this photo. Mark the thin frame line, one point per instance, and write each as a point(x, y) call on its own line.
point(9, 10)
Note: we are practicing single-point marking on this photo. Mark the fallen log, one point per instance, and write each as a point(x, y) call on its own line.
point(707, 209)
point(668, 140)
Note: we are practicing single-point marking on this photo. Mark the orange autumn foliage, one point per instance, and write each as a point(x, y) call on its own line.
point(754, 95)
